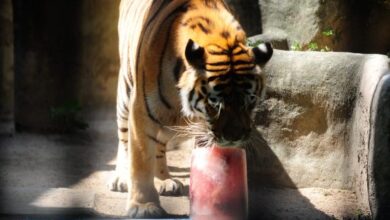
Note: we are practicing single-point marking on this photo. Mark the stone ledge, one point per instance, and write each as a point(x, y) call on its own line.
point(305, 203)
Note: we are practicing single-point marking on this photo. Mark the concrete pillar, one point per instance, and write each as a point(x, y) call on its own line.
point(6, 68)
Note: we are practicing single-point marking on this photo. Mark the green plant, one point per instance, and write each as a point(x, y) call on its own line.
point(67, 117)
point(296, 46)
point(254, 43)
point(313, 46)
point(325, 49)
point(328, 32)
point(359, 212)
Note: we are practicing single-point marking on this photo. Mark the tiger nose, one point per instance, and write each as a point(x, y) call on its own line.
point(232, 133)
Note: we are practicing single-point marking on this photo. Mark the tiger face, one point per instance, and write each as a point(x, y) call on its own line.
point(222, 87)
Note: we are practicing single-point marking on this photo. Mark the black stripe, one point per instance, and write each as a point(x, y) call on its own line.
point(207, 20)
point(225, 34)
point(215, 70)
point(217, 46)
point(196, 105)
point(244, 69)
point(128, 81)
point(240, 52)
point(234, 46)
point(259, 84)
point(204, 90)
point(123, 140)
point(177, 69)
point(248, 76)
point(159, 157)
point(123, 129)
point(162, 6)
point(151, 20)
point(222, 63)
point(126, 108)
point(222, 77)
point(203, 28)
point(189, 7)
point(197, 101)
point(239, 62)
point(151, 116)
point(156, 140)
point(191, 96)
point(220, 87)
point(159, 77)
point(211, 4)
point(120, 114)
point(212, 78)
point(212, 52)
point(203, 18)
point(122, 117)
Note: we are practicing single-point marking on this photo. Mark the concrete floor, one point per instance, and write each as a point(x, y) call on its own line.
point(54, 175)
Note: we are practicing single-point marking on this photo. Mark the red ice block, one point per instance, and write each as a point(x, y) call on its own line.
point(218, 184)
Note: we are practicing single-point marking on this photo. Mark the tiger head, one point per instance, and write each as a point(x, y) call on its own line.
point(221, 88)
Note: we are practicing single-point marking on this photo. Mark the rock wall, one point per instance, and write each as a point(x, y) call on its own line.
point(324, 124)
point(341, 25)
point(306, 118)
point(248, 14)
point(296, 18)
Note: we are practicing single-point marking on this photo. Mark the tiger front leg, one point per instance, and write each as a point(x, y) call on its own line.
point(166, 185)
point(118, 181)
point(143, 199)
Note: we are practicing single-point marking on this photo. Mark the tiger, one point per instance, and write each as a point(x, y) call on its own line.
point(183, 64)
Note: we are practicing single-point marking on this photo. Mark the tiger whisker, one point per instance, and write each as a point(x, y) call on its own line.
point(197, 130)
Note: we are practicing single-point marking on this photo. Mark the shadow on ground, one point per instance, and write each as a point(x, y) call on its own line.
point(272, 193)
point(35, 164)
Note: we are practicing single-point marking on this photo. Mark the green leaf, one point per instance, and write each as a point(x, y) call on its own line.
point(328, 32)
point(296, 46)
point(313, 46)
point(254, 43)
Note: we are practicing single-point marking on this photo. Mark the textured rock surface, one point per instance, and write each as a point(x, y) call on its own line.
point(277, 39)
point(358, 26)
point(248, 14)
point(297, 18)
point(306, 117)
point(316, 122)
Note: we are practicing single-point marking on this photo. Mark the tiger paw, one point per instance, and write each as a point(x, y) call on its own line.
point(117, 183)
point(170, 187)
point(145, 210)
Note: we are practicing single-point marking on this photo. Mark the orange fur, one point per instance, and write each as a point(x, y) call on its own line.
point(214, 29)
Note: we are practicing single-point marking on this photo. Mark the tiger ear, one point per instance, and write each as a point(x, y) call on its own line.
point(195, 55)
point(262, 53)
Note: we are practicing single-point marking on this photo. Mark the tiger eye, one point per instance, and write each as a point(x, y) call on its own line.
point(212, 99)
